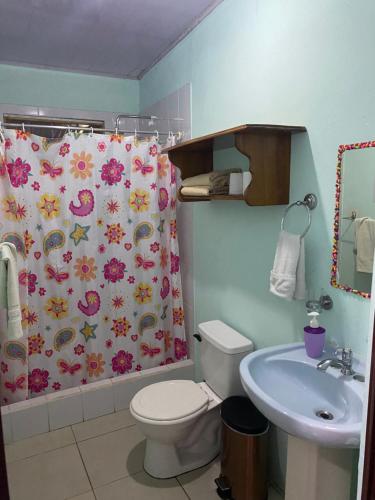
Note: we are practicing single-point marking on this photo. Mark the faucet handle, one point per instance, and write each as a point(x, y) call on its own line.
point(346, 354)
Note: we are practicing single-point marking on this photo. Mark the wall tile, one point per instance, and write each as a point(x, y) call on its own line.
point(183, 370)
point(97, 399)
point(124, 389)
point(65, 408)
point(7, 424)
point(29, 418)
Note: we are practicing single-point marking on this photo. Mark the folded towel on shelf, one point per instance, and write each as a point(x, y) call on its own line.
point(211, 179)
point(197, 180)
point(364, 228)
point(195, 191)
point(9, 289)
point(287, 278)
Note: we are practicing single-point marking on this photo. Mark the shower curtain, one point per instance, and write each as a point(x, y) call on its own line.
point(93, 218)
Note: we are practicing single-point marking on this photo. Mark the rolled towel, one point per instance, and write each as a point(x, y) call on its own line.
point(195, 191)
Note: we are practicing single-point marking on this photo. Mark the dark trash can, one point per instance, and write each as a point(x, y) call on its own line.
point(243, 451)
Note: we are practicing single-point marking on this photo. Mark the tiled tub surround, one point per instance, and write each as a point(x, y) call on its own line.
point(72, 406)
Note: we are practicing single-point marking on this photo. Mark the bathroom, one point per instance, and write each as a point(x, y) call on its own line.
point(177, 72)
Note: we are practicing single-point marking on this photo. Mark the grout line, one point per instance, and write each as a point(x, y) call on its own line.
point(40, 453)
point(104, 433)
point(84, 466)
point(182, 486)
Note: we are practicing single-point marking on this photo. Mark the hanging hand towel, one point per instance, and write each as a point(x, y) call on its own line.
point(288, 274)
point(364, 244)
point(9, 289)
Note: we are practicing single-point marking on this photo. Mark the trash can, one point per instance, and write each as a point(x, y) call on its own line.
point(243, 451)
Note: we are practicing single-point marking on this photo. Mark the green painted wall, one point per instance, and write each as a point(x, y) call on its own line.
point(286, 62)
point(59, 89)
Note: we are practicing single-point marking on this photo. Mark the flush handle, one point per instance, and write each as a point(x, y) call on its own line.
point(198, 337)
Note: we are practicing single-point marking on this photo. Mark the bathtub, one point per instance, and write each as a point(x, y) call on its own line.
point(71, 406)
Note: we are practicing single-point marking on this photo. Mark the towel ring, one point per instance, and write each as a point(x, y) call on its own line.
point(310, 202)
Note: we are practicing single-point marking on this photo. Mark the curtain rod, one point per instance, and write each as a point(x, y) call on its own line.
point(89, 129)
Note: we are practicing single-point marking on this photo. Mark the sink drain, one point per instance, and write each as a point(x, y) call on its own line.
point(324, 414)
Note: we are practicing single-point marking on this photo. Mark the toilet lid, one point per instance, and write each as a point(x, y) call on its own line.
point(170, 400)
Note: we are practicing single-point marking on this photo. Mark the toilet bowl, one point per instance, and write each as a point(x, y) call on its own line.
point(181, 418)
point(181, 422)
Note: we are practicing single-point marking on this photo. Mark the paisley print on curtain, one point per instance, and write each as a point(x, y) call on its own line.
point(93, 218)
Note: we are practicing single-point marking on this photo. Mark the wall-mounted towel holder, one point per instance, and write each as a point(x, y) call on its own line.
point(310, 202)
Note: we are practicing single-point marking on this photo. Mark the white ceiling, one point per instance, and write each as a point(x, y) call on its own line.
point(122, 38)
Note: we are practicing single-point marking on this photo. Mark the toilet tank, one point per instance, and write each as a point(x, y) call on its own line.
point(221, 351)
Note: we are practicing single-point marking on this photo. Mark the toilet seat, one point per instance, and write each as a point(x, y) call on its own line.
point(172, 400)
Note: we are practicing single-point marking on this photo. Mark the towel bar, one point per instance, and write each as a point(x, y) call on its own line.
point(309, 202)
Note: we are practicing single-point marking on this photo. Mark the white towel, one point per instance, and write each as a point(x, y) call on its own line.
point(9, 290)
point(288, 274)
point(364, 244)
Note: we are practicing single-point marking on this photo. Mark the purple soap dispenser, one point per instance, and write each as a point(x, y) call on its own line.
point(314, 336)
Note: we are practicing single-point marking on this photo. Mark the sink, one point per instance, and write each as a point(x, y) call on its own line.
point(285, 385)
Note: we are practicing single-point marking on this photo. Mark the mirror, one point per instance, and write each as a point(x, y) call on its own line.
point(354, 224)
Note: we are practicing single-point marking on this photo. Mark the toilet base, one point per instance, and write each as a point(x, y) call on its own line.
point(164, 461)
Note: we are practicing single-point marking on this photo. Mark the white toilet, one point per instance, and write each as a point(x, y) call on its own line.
point(181, 418)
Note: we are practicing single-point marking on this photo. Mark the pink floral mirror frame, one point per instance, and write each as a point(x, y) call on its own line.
point(336, 224)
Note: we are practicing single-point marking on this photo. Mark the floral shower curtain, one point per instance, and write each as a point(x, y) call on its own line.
point(93, 218)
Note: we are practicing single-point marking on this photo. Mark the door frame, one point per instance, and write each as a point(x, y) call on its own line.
point(368, 480)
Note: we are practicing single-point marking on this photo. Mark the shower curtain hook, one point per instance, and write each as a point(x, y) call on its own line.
point(69, 131)
point(92, 131)
point(23, 127)
point(116, 131)
point(157, 135)
point(135, 133)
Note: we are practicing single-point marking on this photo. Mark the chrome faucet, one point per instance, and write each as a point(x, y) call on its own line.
point(345, 363)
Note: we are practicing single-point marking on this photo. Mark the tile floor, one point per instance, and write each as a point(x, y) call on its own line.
point(100, 459)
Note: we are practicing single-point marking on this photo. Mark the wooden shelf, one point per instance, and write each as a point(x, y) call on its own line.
point(266, 146)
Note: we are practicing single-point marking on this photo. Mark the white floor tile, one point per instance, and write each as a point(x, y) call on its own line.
point(141, 487)
point(112, 456)
point(200, 483)
point(103, 425)
point(39, 444)
point(85, 496)
point(56, 475)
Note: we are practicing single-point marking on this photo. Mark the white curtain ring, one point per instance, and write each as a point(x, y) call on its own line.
point(135, 133)
point(92, 131)
point(116, 131)
point(23, 127)
point(2, 136)
point(156, 132)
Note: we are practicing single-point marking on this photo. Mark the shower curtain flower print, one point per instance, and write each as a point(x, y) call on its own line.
point(93, 218)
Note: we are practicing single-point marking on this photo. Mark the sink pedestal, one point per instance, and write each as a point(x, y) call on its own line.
point(317, 473)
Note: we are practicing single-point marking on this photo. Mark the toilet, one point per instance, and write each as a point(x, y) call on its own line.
point(181, 418)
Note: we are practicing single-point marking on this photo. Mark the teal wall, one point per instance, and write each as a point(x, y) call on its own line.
point(286, 62)
point(59, 89)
